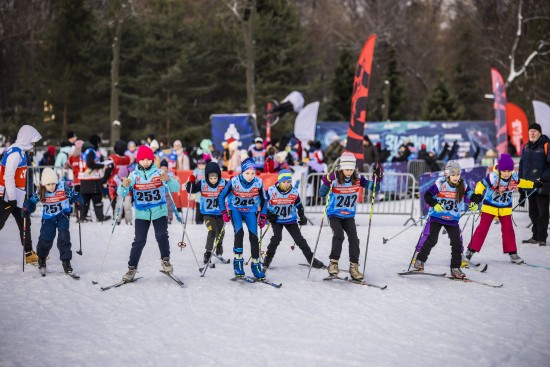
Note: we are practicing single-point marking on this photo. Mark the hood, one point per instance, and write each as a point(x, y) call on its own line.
point(26, 136)
point(87, 145)
point(65, 149)
point(212, 167)
point(51, 150)
point(205, 145)
point(95, 140)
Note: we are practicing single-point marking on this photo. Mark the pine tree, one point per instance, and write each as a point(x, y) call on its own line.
point(441, 105)
point(341, 87)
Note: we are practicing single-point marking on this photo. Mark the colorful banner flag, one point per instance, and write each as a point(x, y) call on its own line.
point(306, 121)
point(542, 116)
point(516, 121)
point(359, 99)
point(499, 105)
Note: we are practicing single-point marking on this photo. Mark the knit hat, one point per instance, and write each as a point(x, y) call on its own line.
point(95, 140)
point(247, 164)
point(164, 163)
point(71, 134)
point(201, 161)
point(347, 161)
point(452, 168)
point(505, 163)
point(258, 140)
point(284, 175)
point(144, 152)
point(535, 126)
point(154, 144)
point(48, 177)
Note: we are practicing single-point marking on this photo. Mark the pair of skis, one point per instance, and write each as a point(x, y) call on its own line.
point(444, 275)
point(248, 279)
point(122, 282)
point(353, 281)
point(219, 257)
point(72, 275)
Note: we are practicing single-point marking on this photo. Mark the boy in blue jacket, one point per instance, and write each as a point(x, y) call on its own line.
point(56, 199)
point(245, 198)
point(148, 185)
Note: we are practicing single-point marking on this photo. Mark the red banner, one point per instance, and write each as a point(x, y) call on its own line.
point(516, 121)
point(359, 98)
point(499, 105)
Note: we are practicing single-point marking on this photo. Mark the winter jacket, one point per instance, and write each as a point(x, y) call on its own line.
point(154, 212)
point(62, 157)
point(535, 163)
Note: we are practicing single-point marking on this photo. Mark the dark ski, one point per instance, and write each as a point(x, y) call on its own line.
point(210, 265)
point(173, 277)
point(481, 269)
point(73, 275)
point(526, 264)
point(468, 280)
point(325, 268)
point(222, 259)
point(122, 282)
point(364, 282)
point(265, 281)
point(243, 278)
point(335, 277)
point(416, 272)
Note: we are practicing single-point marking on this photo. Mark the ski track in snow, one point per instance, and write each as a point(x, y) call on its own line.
point(211, 321)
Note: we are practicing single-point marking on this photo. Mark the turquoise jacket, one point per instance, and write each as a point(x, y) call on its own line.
point(158, 211)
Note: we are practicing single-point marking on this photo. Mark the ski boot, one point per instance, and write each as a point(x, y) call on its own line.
point(317, 264)
point(333, 267)
point(219, 250)
point(418, 265)
point(207, 256)
point(31, 257)
point(267, 262)
point(98, 209)
point(67, 266)
point(256, 267)
point(129, 276)
point(238, 262)
point(466, 258)
point(354, 272)
point(42, 263)
point(530, 241)
point(166, 266)
point(516, 259)
point(457, 273)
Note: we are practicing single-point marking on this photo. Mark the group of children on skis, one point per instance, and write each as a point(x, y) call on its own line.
point(243, 200)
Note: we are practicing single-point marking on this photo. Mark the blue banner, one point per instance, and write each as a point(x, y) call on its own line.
point(470, 135)
point(237, 126)
point(471, 175)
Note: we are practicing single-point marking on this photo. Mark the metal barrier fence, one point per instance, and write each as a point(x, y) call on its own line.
point(396, 195)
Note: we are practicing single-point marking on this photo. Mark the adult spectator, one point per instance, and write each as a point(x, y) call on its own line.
point(334, 150)
point(534, 165)
point(370, 153)
point(48, 159)
point(13, 181)
point(429, 158)
point(71, 137)
point(182, 161)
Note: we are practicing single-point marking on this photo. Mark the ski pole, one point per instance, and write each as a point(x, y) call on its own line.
point(385, 240)
point(24, 239)
point(108, 244)
point(370, 219)
point(207, 265)
point(79, 233)
point(260, 243)
point(415, 252)
point(182, 244)
point(319, 234)
point(525, 198)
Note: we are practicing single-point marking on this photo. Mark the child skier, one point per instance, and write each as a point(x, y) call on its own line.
point(446, 200)
point(343, 186)
point(245, 197)
point(148, 185)
point(56, 199)
point(497, 203)
point(199, 175)
point(209, 189)
point(285, 210)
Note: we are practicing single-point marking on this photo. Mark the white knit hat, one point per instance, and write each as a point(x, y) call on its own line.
point(347, 161)
point(48, 177)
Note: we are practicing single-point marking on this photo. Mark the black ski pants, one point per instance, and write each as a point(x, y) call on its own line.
point(431, 241)
point(11, 208)
point(161, 234)
point(539, 207)
point(296, 235)
point(214, 224)
point(341, 226)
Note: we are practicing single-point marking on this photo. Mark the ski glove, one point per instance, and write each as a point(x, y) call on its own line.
point(29, 207)
point(79, 202)
point(438, 207)
point(378, 172)
point(226, 216)
point(537, 184)
point(473, 207)
point(476, 198)
point(192, 179)
point(272, 217)
point(25, 213)
point(327, 180)
point(261, 220)
point(522, 198)
point(302, 221)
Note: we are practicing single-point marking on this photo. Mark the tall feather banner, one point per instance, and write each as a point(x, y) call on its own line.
point(499, 92)
point(359, 98)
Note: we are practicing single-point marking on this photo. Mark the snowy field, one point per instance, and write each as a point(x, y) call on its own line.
point(211, 321)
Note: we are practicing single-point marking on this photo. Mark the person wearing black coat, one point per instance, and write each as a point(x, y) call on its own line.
point(535, 166)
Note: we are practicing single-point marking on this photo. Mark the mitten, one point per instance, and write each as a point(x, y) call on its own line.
point(226, 216)
point(272, 217)
point(262, 220)
point(438, 207)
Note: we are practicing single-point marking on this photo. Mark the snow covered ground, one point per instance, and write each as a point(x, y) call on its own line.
point(211, 321)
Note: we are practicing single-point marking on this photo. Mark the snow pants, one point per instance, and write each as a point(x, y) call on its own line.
point(214, 224)
point(431, 241)
point(426, 233)
point(251, 220)
point(47, 235)
point(539, 207)
point(161, 234)
point(296, 235)
point(339, 227)
point(506, 226)
point(5, 211)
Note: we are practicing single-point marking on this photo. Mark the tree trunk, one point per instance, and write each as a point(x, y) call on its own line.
point(115, 64)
